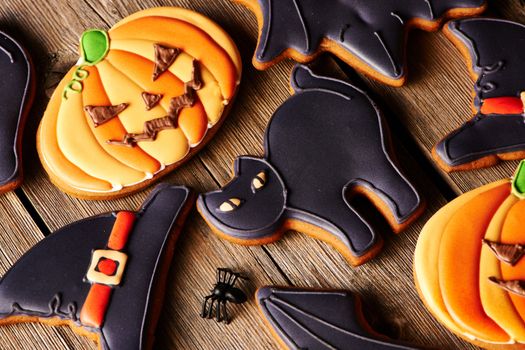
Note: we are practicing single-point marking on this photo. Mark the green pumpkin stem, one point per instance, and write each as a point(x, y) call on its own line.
point(94, 46)
point(518, 181)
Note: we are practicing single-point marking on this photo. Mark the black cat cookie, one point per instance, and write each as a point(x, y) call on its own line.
point(103, 276)
point(319, 320)
point(16, 96)
point(325, 144)
point(497, 64)
point(368, 35)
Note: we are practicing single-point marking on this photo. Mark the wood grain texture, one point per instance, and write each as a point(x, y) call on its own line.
point(435, 100)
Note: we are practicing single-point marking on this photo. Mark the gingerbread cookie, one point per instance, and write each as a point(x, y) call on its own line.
point(144, 97)
point(469, 266)
point(16, 95)
point(319, 320)
point(368, 35)
point(104, 276)
point(497, 130)
point(324, 144)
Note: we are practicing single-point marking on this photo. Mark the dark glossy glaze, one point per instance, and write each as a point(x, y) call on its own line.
point(494, 46)
point(318, 320)
point(372, 30)
point(15, 73)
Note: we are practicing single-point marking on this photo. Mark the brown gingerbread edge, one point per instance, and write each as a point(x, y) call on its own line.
point(486, 161)
point(156, 300)
point(349, 58)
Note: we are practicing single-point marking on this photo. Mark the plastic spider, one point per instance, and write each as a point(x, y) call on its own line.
point(224, 291)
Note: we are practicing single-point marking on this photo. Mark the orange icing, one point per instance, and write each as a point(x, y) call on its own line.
point(192, 121)
point(210, 93)
point(134, 157)
point(502, 105)
point(512, 232)
point(426, 256)
point(79, 145)
point(170, 145)
point(52, 158)
point(496, 301)
point(94, 308)
point(188, 38)
point(459, 256)
point(121, 230)
point(210, 27)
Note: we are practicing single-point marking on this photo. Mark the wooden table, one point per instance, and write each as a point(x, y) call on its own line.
point(435, 101)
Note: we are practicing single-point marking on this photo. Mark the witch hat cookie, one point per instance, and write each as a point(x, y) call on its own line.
point(368, 35)
point(16, 96)
point(319, 320)
point(324, 144)
point(143, 98)
point(469, 267)
point(497, 64)
point(104, 276)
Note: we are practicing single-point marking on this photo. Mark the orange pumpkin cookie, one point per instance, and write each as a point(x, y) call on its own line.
point(143, 98)
point(468, 264)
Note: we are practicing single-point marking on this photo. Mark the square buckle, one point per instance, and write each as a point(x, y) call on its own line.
point(94, 275)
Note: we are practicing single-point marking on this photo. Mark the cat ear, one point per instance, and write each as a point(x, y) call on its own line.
point(302, 78)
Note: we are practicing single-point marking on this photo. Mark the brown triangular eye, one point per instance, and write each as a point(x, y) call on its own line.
point(259, 181)
point(230, 205)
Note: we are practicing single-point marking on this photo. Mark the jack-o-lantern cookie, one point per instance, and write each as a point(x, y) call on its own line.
point(497, 131)
point(103, 276)
point(368, 35)
point(143, 98)
point(16, 96)
point(324, 144)
point(319, 320)
point(469, 266)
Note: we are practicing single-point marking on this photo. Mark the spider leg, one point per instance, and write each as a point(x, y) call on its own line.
point(210, 310)
point(204, 305)
point(226, 317)
point(218, 314)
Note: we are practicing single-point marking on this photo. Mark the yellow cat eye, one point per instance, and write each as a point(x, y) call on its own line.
point(230, 205)
point(259, 181)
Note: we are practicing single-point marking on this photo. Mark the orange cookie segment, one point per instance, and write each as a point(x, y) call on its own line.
point(188, 38)
point(426, 256)
point(459, 255)
point(51, 155)
point(210, 27)
point(192, 121)
point(512, 233)
point(79, 145)
point(210, 94)
point(171, 145)
point(496, 302)
point(94, 95)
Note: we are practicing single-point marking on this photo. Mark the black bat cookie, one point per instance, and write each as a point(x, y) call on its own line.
point(324, 144)
point(369, 35)
point(319, 320)
point(16, 94)
point(104, 276)
point(493, 47)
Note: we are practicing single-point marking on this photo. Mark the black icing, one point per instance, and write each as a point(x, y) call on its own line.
point(15, 77)
point(322, 142)
point(318, 320)
point(372, 30)
point(498, 60)
point(48, 281)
